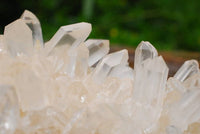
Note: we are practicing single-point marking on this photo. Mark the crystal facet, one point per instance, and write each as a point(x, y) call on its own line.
point(70, 35)
point(189, 68)
point(18, 38)
point(33, 23)
point(97, 49)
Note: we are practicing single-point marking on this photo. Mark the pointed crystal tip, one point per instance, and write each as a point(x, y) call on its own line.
point(188, 69)
point(145, 50)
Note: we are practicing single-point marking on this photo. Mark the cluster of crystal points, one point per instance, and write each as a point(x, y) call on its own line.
point(70, 85)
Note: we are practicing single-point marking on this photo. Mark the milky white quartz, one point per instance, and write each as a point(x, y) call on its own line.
point(71, 85)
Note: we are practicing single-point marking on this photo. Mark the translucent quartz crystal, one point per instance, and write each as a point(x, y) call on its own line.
point(72, 86)
point(33, 23)
point(9, 110)
point(144, 51)
point(189, 68)
point(149, 90)
point(110, 61)
point(97, 50)
point(18, 38)
point(77, 63)
point(70, 35)
point(149, 84)
point(186, 110)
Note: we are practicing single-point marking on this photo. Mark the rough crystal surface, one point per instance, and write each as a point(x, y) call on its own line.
point(73, 86)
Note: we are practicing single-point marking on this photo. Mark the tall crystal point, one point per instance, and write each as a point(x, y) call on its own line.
point(34, 24)
point(9, 110)
point(70, 35)
point(144, 51)
point(188, 69)
point(97, 49)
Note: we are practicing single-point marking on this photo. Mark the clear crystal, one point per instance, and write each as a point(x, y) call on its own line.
point(9, 110)
point(34, 24)
point(70, 35)
point(189, 68)
point(193, 81)
point(97, 50)
point(18, 38)
point(77, 63)
point(149, 90)
point(110, 61)
point(144, 51)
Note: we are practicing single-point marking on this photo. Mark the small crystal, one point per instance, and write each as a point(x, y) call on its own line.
point(34, 24)
point(112, 60)
point(18, 38)
point(97, 50)
point(189, 68)
point(70, 35)
point(9, 110)
point(144, 51)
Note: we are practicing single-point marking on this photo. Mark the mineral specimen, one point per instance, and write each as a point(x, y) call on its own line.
point(70, 85)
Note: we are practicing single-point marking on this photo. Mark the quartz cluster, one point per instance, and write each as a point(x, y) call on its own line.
point(71, 85)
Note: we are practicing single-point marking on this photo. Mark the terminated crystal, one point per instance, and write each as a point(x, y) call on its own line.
point(189, 68)
point(144, 51)
point(9, 110)
point(34, 24)
point(18, 38)
point(149, 84)
point(70, 35)
point(186, 110)
point(97, 50)
point(109, 62)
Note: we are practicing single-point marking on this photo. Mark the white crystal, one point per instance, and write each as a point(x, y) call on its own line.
point(70, 35)
point(18, 38)
point(112, 60)
point(97, 50)
point(9, 110)
point(34, 24)
point(189, 68)
point(144, 51)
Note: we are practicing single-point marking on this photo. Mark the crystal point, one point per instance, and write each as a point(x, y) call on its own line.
point(34, 24)
point(144, 51)
point(70, 35)
point(9, 110)
point(97, 49)
point(189, 68)
point(108, 63)
point(18, 38)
